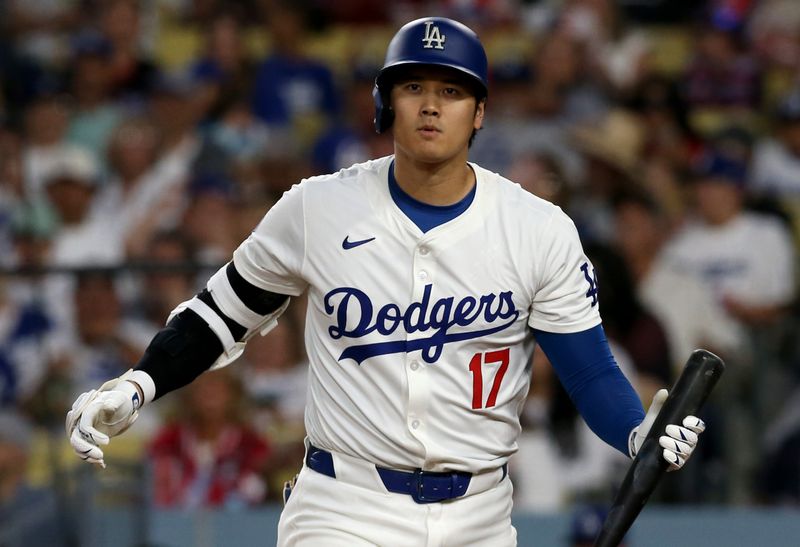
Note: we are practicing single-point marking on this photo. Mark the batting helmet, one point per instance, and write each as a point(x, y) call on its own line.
point(434, 41)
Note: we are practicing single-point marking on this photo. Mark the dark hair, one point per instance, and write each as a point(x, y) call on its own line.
point(638, 197)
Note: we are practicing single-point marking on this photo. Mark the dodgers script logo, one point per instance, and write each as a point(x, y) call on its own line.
point(438, 317)
point(433, 34)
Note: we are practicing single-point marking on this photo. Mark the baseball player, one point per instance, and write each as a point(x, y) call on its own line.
point(429, 281)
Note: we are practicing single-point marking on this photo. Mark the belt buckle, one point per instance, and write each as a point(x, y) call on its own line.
point(418, 493)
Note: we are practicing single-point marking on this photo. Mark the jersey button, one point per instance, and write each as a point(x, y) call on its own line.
point(423, 274)
point(415, 424)
point(423, 251)
point(414, 365)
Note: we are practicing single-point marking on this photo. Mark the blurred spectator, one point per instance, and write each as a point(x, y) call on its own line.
point(81, 238)
point(144, 189)
point(225, 62)
point(26, 346)
point(775, 30)
point(41, 28)
point(151, 165)
point(106, 342)
point(43, 143)
point(612, 149)
point(94, 114)
point(617, 54)
point(209, 457)
point(745, 260)
point(732, 141)
point(131, 73)
point(274, 375)
point(275, 379)
point(549, 97)
point(20, 80)
point(347, 141)
point(163, 290)
point(723, 78)
point(687, 310)
point(541, 175)
point(246, 139)
point(291, 89)
point(561, 87)
point(28, 515)
point(178, 102)
point(776, 159)
point(31, 230)
point(664, 112)
point(670, 143)
point(208, 220)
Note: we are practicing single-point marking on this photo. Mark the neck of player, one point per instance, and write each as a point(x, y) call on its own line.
point(438, 184)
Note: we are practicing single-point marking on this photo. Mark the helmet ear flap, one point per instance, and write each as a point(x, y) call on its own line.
point(384, 115)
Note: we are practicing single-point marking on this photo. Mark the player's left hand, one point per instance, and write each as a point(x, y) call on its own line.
point(679, 441)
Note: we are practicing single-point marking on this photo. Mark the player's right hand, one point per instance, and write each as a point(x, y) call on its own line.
point(100, 414)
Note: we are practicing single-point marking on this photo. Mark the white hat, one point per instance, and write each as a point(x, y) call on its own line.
point(72, 163)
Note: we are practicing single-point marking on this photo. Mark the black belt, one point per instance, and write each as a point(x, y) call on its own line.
point(422, 486)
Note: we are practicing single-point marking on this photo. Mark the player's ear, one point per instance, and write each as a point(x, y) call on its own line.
point(480, 109)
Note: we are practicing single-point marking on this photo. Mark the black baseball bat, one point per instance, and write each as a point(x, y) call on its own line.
point(700, 375)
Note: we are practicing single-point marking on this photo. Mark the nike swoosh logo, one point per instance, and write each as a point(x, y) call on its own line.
point(347, 244)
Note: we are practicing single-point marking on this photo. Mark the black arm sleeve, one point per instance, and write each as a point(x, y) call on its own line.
point(180, 352)
point(187, 346)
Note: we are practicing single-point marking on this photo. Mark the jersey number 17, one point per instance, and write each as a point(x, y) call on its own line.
point(500, 357)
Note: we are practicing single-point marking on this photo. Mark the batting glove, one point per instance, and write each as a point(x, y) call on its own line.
point(679, 441)
point(100, 414)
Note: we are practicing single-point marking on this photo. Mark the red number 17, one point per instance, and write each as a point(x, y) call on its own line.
point(476, 368)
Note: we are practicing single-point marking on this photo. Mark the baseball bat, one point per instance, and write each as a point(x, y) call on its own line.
point(700, 375)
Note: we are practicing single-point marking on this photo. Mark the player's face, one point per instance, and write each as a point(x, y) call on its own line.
point(435, 113)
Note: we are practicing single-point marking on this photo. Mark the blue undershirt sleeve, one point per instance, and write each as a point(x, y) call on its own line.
point(590, 374)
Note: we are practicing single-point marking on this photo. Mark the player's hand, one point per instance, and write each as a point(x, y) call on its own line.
point(100, 414)
point(679, 441)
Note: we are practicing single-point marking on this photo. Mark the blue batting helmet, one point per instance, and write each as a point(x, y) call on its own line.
point(434, 41)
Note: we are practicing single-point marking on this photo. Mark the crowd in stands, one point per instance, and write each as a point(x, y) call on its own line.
point(141, 141)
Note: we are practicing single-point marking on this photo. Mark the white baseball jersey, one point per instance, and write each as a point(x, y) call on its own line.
point(419, 343)
point(751, 258)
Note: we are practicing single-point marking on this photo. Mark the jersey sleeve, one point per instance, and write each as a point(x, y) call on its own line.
point(565, 299)
point(273, 256)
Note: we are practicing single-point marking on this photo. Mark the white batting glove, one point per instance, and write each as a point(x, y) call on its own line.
point(100, 414)
point(679, 441)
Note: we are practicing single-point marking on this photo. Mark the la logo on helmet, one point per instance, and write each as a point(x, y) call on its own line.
point(433, 36)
